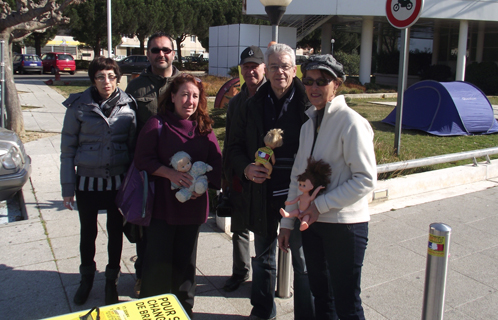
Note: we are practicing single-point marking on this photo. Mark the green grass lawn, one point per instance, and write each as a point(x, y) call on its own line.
point(414, 144)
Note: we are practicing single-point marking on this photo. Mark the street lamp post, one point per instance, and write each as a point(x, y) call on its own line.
point(332, 41)
point(275, 10)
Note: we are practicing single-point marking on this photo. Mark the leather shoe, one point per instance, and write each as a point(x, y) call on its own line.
point(234, 282)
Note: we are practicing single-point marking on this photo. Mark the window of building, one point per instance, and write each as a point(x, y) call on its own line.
point(192, 38)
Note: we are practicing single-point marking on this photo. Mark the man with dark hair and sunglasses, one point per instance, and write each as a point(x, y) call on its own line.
point(146, 89)
point(154, 80)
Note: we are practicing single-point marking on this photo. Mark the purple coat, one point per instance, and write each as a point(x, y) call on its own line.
point(153, 151)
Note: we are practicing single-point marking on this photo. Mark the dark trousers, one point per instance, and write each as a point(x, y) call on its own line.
point(264, 273)
point(89, 203)
point(170, 261)
point(141, 245)
point(334, 257)
point(241, 253)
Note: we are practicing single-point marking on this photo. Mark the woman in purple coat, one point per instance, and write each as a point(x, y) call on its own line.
point(182, 124)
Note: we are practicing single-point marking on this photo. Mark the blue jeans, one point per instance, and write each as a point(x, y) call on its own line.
point(304, 307)
point(265, 275)
point(334, 256)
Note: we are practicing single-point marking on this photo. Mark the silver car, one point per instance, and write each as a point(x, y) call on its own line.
point(15, 166)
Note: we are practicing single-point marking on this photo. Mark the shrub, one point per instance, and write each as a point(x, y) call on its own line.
point(196, 66)
point(437, 72)
point(484, 75)
point(350, 61)
point(234, 71)
point(82, 64)
point(388, 63)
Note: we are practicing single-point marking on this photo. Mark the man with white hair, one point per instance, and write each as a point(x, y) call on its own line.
point(279, 103)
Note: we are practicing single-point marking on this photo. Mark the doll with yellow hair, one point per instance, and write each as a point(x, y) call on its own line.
point(265, 155)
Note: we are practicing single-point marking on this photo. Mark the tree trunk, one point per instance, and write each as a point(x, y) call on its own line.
point(142, 45)
point(179, 49)
point(13, 111)
point(38, 46)
point(96, 49)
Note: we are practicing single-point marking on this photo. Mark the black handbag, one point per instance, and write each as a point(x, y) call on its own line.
point(133, 232)
point(224, 206)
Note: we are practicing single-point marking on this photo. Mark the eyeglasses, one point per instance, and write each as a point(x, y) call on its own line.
point(284, 67)
point(156, 50)
point(321, 82)
point(102, 77)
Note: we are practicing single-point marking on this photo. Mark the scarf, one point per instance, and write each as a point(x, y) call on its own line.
point(106, 105)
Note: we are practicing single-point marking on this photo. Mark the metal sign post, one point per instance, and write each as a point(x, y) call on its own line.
point(403, 59)
point(402, 14)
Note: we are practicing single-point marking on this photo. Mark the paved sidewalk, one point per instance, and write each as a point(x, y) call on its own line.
point(43, 109)
point(39, 257)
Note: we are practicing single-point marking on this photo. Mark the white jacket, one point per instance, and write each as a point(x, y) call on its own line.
point(345, 141)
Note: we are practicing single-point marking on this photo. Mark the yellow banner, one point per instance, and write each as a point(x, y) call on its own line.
point(162, 307)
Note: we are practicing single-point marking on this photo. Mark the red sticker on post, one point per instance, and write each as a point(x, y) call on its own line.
point(436, 245)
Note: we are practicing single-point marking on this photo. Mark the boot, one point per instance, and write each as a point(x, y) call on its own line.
point(111, 282)
point(86, 284)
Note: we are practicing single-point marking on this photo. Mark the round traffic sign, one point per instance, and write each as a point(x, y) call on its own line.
point(403, 13)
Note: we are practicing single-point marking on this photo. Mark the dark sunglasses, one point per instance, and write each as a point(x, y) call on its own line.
point(156, 50)
point(321, 82)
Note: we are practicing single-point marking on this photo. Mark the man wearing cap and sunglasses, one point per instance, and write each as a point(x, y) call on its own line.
point(252, 68)
point(146, 89)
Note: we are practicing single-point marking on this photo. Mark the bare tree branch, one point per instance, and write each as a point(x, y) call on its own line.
point(29, 11)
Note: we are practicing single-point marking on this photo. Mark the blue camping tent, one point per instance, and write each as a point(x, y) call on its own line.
point(446, 109)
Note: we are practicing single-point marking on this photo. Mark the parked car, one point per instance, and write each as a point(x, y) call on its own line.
point(58, 60)
point(118, 58)
point(24, 63)
point(135, 63)
point(15, 165)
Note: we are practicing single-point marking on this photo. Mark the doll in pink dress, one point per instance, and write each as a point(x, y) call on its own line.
point(316, 174)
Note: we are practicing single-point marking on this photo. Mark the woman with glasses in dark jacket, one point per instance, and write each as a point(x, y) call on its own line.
point(97, 143)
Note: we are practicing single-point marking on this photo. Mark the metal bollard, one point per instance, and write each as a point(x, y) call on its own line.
point(283, 274)
point(436, 271)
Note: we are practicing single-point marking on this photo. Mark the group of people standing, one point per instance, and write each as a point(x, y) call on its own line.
point(164, 111)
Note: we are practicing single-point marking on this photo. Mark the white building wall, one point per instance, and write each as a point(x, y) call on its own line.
point(226, 43)
point(486, 10)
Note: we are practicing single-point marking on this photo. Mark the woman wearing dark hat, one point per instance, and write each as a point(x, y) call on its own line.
point(334, 244)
